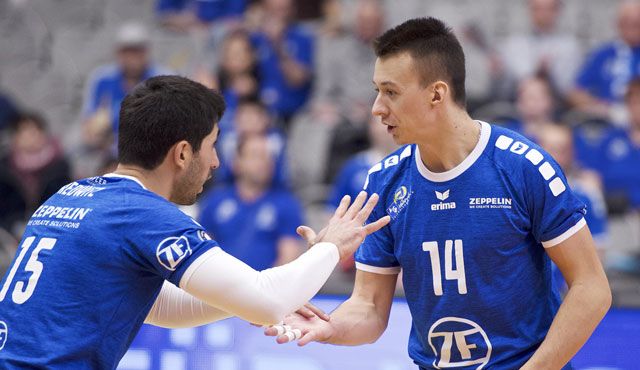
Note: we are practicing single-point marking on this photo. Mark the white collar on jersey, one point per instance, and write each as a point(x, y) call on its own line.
point(125, 177)
point(451, 174)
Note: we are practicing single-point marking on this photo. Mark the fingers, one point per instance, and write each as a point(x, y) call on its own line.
point(379, 224)
point(342, 208)
point(317, 312)
point(307, 234)
point(307, 338)
point(356, 205)
point(364, 213)
point(305, 312)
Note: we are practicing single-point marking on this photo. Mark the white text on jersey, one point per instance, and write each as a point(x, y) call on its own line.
point(76, 190)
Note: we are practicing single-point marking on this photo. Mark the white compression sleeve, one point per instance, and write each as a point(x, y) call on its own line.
point(260, 297)
point(175, 308)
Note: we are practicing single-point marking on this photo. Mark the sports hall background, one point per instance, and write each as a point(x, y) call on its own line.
point(61, 82)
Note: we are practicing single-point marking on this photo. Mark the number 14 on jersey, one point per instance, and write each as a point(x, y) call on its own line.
point(451, 247)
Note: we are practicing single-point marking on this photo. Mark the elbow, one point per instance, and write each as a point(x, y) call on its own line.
point(381, 327)
point(605, 299)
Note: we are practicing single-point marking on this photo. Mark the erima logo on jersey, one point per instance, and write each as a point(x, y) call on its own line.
point(400, 201)
point(172, 251)
point(4, 333)
point(442, 196)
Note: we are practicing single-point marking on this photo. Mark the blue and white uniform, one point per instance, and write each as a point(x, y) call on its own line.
point(471, 244)
point(91, 262)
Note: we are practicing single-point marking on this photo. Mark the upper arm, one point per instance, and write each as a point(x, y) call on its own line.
point(577, 259)
point(375, 290)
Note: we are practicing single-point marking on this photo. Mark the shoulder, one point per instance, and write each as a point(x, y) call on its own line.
point(511, 150)
point(301, 31)
point(216, 195)
point(604, 51)
point(523, 160)
point(383, 172)
point(104, 73)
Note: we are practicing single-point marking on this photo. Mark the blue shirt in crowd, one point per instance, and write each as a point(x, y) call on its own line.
point(205, 10)
point(616, 157)
point(250, 231)
point(107, 89)
point(607, 71)
point(275, 91)
point(351, 177)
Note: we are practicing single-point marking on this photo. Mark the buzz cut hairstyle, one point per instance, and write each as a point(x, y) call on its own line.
point(435, 50)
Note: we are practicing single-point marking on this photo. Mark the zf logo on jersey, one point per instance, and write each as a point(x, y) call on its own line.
point(400, 201)
point(442, 196)
point(4, 333)
point(458, 342)
point(172, 251)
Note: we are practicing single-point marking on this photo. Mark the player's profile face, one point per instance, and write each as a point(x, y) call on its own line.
point(191, 183)
point(402, 100)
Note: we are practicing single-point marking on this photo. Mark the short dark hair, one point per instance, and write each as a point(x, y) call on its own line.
point(29, 116)
point(436, 52)
point(162, 111)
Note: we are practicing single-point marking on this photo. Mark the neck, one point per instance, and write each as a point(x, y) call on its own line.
point(455, 137)
point(249, 191)
point(153, 180)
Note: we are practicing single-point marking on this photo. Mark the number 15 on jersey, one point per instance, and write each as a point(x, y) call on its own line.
point(451, 247)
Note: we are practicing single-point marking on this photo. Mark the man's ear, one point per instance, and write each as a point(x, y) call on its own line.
point(439, 91)
point(182, 154)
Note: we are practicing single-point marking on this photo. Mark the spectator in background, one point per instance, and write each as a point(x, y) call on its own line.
point(536, 107)
point(345, 63)
point(602, 81)
point(543, 49)
point(238, 76)
point(617, 157)
point(352, 175)
point(285, 58)
point(256, 222)
point(586, 184)
point(184, 15)
point(557, 140)
point(33, 170)
point(8, 111)
point(252, 118)
point(109, 84)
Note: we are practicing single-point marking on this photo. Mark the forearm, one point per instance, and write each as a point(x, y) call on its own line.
point(175, 308)
point(582, 309)
point(356, 322)
point(263, 297)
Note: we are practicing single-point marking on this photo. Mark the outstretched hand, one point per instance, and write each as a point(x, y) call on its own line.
point(304, 330)
point(346, 228)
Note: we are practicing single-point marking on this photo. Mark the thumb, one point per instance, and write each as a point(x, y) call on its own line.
point(307, 233)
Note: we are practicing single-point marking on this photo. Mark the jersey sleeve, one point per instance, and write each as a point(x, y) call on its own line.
point(165, 241)
point(555, 212)
point(376, 254)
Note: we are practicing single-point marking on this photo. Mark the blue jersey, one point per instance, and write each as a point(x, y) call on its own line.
point(250, 231)
point(351, 177)
point(608, 70)
point(91, 263)
point(470, 244)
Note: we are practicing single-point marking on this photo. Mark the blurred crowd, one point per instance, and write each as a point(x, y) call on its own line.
point(298, 132)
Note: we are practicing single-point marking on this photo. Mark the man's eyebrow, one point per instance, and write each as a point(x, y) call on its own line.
point(386, 83)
